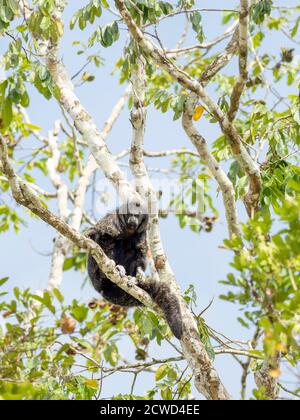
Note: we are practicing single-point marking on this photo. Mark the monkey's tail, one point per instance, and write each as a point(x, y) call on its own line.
point(168, 302)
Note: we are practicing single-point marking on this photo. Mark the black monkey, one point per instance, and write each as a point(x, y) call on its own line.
point(123, 237)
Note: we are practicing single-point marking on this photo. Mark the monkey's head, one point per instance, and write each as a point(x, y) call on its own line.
point(133, 217)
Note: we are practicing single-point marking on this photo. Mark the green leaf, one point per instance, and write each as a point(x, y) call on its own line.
point(3, 281)
point(166, 393)
point(80, 313)
point(25, 100)
point(69, 263)
point(13, 5)
point(45, 300)
point(161, 372)
point(45, 23)
point(58, 295)
point(7, 113)
point(196, 20)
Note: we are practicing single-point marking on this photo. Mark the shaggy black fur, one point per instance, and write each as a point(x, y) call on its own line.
point(123, 237)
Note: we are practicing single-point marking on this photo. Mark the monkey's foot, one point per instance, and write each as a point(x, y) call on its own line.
point(121, 270)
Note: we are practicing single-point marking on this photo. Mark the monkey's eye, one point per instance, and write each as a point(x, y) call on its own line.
point(138, 204)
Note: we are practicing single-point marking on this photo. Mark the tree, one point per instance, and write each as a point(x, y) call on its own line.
point(253, 160)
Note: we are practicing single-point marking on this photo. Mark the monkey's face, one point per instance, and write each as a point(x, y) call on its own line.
point(133, 218)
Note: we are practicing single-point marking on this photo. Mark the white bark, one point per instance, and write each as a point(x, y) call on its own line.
point(59, 251)
point(243, 60)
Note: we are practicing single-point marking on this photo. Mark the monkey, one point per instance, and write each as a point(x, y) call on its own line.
point(122, 235)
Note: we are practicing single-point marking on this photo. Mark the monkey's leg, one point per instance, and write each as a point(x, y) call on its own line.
point(116, 295)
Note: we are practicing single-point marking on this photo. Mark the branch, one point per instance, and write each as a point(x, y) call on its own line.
point(243, 60)
point(87, 128)
point(187, 12)
point(60, 245)
point(213, 165)
point(244, 159)
point(294, 394)
point(222, 59)
point(264, 380)
point(179, 51)
point(165, 153)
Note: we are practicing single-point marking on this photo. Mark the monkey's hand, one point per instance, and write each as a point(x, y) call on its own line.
point(121, 270)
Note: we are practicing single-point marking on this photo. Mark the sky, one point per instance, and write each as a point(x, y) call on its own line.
point(195, 258)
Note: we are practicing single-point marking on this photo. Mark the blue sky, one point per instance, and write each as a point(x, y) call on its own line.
point(196, 259)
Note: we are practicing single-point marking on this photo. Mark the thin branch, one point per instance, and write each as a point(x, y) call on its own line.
point(288, 391)
point(180, 51)
point(165, 153)
point(188, 12)
point(62, 245)
point(246, 365)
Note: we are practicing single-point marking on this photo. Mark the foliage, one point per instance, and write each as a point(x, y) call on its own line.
point(53, 350)
point(266, 280)
point(50, 349)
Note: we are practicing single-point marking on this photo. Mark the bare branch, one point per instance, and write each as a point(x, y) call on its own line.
point(222, 59)
point(180, 51)
point(220, 176)
point(165, 153)
point(188, 12)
